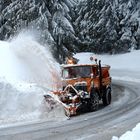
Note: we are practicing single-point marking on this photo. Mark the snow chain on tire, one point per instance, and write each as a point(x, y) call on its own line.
point(107, 97)
point(94, 102)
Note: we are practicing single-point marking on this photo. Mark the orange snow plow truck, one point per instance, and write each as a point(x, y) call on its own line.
point(84, 85)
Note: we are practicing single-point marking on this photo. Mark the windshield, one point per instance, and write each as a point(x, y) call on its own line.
point(76, 72)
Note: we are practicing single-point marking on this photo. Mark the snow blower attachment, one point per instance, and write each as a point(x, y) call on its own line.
point(84, 85)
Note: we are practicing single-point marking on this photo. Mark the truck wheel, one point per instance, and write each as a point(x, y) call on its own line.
point(107, 97)
point(94, 102)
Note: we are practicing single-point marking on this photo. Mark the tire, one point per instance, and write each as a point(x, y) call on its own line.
point(94, 102)
point(107, 97)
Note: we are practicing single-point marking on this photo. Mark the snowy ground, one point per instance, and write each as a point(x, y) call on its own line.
point(25, 65)
point(134, 134)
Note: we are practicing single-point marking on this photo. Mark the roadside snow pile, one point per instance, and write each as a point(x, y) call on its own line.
point(130, 135)
point(18, 105)
point(25, 102)
point(25, 65)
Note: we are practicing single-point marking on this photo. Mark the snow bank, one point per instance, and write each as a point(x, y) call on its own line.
point(19, 105)
point(130, 135)
point(25, 66)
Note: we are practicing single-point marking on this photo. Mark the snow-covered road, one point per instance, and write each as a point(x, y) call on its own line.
point(123, 114)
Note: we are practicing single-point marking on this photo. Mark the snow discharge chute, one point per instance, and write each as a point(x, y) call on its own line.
point(25, 65)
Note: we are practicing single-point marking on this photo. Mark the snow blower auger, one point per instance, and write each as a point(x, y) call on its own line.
point(84, 85)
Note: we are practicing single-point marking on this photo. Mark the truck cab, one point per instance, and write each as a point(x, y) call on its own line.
point(87, 77)
point(84, 85)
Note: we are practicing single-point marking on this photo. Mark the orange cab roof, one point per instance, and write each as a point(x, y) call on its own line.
point(77, 65)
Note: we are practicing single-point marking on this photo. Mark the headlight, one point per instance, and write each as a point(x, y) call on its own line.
point(83, 94)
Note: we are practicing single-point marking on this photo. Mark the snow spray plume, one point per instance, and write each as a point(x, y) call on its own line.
point(38, 62)
point(23, 62)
